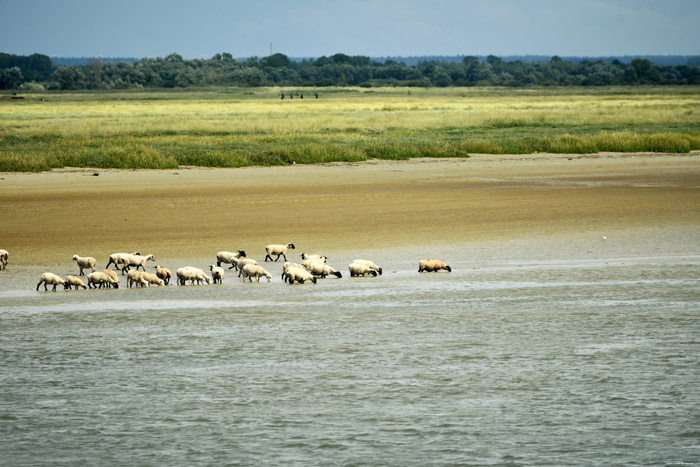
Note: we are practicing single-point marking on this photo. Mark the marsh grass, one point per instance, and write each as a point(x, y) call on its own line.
point(241, 127)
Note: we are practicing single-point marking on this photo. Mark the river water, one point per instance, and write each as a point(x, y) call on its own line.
point(531, 363)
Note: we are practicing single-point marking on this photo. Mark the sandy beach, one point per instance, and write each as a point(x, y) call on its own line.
point(526, 206)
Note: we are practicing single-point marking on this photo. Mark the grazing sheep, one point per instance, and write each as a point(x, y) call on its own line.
point(308, 262)
point(288, 265)
point(138, 261)
point(75, 282)
point(4, 255)
point(189, 273)
point(369, 264)
point(119, 258)
point(279, 250)
point(217, 274)
point(241, 262)
point(300, 275)
point(322, 270)
point(253, 270)
point(49, 278)
point(163, 273)
point(229, 258)
point(358, 269)
point(152, 279)
point(305, 256)
point(432, 265)
point(101, 279)
point(84, 262)
point(113, 275)
point(136, 277)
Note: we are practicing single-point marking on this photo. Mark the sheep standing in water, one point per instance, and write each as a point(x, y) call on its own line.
point(101, 279)
point(152, 279)
point(135, 277)
point(305, 256)
point(114, 277)
point(322, 270)
point(164, 273)
point(85, 262)
point(4, 256)
point(369, 264)
point(299, 275)
point(229, 257)
point(72, 281)
point(189, 273)
point(138, 261)
point(119, 258)
point(49, 278)
point(288, 265)
point(217, 274)
point(279, 250)
point(253, 270)
point(432, 265)
point(358, 269)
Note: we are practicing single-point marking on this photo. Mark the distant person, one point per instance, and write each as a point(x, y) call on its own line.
point(301, 95)
point(291, 95)
point(316, 94)
point(282, 96)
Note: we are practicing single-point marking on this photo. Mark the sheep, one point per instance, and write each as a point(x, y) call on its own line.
point(49, 278)
point(101, 279)
point(299, 274)
point(119, 258)
point(84, 262)
point(321, 269)
point(113, 275)
point(229, 258)
point(369, 264)
point(4, 255)
point(288, 265)
point(432, 265)
point(136, 277)
point(152, 279)
point(241, 262)
point(308, 262)
point(305, 256)
point(217, 274)
point(279, 250)
point(163, 273)
point(253, 270)
point(75, 282)
point(358, 269)
point(138, 261)
point(189, 273)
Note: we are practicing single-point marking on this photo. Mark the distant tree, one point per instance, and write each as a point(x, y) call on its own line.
point(275, 61)
point(11, 78)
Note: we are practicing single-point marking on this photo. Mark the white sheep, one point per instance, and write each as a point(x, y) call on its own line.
point(369, 264)
point(74, 282)
point(217, 274)
point(313, 256)
point(229, 257)
point(189, 273)
point(152, 278)
point(138, 261)
point(279, 250)
point(136, 277)
point(4, 256)
point(119, 258)
point(432, 265)
point(288, 265)
point(253, 270)
point(358, 269)
point(322, 270)
point(114, 277)
point(164, 273)
point(300, 275)
point(49, 278)
point(85, 262)
point(242, 262)
point(101, 279)
point(309, 261)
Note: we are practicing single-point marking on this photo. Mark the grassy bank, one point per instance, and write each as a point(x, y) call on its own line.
point(242, 127)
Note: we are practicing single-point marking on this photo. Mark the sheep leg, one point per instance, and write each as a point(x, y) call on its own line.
point(268, 256)
point(37, 286)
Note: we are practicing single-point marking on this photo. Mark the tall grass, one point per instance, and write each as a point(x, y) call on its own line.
point(234, 128)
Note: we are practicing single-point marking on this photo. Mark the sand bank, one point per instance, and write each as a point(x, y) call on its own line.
point(494, 204)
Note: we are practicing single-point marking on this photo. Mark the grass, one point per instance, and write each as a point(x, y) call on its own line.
point(239, 127)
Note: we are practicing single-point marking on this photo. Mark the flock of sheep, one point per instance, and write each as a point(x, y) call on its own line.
point(311, 268)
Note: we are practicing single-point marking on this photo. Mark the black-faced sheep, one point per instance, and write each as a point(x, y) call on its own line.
point(229, 257)
point(217, 274)
point(322, 270)
point(305, 256)
point(4, 256)
point(114, 277)
point(49, 278)
point(300, 275)
point(432, 265)
point(85, 262)
point(119, 258)
point(369, 264)
point(101, 279)
point(279, 250)
point(288, 265)
point(163, 273)
point(358, 269)
point(72, 281)
point(253, 270)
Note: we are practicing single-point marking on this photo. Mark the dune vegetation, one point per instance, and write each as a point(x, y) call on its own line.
point(235, 127)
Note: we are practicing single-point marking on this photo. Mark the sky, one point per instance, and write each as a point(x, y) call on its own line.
point(375, 28)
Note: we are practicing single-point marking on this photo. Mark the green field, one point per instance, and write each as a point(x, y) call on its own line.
point(234, 127)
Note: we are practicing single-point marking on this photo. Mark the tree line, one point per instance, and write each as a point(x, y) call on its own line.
point(37, 72)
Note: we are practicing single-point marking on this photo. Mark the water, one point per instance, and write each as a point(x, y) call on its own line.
point(536, 363)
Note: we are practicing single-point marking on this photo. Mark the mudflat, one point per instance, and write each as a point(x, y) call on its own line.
point(489, 202)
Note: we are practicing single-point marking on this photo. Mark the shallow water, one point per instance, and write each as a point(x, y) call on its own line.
point(528, 363)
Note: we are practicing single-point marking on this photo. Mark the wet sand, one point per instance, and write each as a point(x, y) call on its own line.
point(553, 206)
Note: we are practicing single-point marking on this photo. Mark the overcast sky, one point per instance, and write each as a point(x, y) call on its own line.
point(312, 28)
